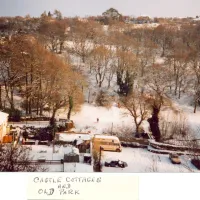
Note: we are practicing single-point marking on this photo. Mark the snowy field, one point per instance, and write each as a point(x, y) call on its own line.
point(138, 160)
point(86, 119)
point(184, 104)
point(141, 160)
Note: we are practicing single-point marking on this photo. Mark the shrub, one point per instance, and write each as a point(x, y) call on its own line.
point(14, 115)
point(103, 99)
point(196, 163)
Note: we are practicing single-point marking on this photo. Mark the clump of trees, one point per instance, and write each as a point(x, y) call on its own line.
point(53, 34)
point(144, 66)
point(103, 99)
point(38, 76)
point(174, 126)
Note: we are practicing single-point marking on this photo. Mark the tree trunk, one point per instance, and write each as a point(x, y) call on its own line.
point(30, 108)
point(83, 58)
point(179, 90)
point(89, 96)
point(195, 106)
point(37, 107)
point(26, 93)
point(30, 99)
point(154, 124)
point(137, 128)
point(52, 119)
point(61, 47)
point(40, 96)
point(41, 110)
point(176, 85)
point(108, 84)
point(12, 100)
point(71, 104)
point(163, 52)
point(0, 98)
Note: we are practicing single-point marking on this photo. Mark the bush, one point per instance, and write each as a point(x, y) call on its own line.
point(103, 99)
point(196, 163)
point(14, 115)
point(61, 128)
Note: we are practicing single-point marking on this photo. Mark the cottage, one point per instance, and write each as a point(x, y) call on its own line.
point(3, 125)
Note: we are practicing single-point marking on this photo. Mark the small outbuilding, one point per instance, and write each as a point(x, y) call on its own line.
point(71, 158)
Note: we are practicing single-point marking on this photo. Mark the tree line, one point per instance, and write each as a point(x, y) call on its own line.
point(147, 64)
point(43, 81)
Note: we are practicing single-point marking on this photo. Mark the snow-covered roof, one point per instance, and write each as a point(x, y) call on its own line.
point(3, 117)
point(79, 141)
point(70, 149)
point(72, 137)
point(46, 152)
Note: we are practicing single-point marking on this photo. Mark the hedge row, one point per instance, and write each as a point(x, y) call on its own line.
point(133, 144)
point(163, 146)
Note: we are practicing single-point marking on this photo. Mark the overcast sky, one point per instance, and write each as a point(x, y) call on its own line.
point(162, 8)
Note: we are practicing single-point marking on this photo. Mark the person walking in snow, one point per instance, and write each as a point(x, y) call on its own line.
point(97, 120)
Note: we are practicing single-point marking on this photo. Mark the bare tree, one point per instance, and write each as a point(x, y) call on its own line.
point(174, 127)
point(81, 36)
point(75, 92)
point(58, 14)
point(157, 85)
point(178, 61)
point(104, 99)
point(163, 37)
point(100, 59)
point(195, 63)
point(137, 107)
point(17, 159)
point(53, 33)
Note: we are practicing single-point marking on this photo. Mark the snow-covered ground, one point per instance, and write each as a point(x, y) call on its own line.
point(138, 160)
point(185, 107)
point(141, 160)
point(86, 119)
